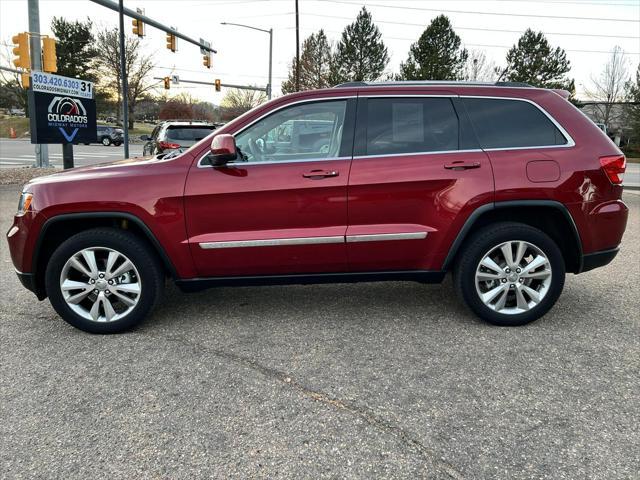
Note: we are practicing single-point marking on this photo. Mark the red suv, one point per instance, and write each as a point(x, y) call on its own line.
point(505, 185)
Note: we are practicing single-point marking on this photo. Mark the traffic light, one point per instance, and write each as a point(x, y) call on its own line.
point(206, 60)
point(21, 51)
point(167, 83)
point(218, 84)
point(26, 80)
point(138, 25)
point(49, 59)
point(171, 42)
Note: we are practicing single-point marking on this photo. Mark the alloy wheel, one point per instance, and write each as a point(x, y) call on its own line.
point(513, 277)
point(100, 284)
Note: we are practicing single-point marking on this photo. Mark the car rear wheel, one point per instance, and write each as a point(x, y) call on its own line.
point(106, 141)
point(103, 280)
point(509, 274)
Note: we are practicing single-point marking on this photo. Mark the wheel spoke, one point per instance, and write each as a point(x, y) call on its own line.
point(129, 302)
point(108, 308)
point(484, 276)
point(71, 285)
point(90, 257)
point(507, 252)
point(533, 294)
point(489, 296)
point(124, 268)
point(95, 309)
point(75, 263)
point(539, 275)
point(522, 248)
point(490, 264)
point(536, 263)
point(128, 288)
point(521, 301)
point(111, 260)
point(502, 300)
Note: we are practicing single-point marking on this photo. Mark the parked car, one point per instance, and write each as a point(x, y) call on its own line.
point(109, 135)
point(506, 186)
point(175, 135)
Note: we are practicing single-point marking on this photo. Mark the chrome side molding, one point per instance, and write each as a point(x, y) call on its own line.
point(277, 242)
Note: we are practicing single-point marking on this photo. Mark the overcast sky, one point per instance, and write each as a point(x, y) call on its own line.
point(586, 29)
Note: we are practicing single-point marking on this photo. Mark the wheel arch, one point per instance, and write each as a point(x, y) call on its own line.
point(550, 216)
point(57, 229)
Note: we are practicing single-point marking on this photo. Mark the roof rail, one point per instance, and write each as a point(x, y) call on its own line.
point(410, 83)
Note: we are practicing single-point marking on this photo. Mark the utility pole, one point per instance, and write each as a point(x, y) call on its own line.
point(297, 48)
point(123, 79)
point(42, 151)
point(270, 64)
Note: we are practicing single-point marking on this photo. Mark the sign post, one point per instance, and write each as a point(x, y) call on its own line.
point(62, 110)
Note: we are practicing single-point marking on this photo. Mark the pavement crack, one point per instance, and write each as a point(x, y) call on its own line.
point(365, 413)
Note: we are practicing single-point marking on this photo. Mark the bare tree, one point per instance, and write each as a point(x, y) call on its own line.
point(237, 101)
point(11, 92)
point(479, 68)
point(137, 67)
point(609, 86)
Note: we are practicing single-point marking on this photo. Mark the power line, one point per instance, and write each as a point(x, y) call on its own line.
point(391, 22)
point(477, 12)
point(386, 37)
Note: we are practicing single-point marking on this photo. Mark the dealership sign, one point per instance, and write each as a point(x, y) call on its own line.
point(61, 109)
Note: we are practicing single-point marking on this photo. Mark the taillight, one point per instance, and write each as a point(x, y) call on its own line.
point(614, 167)
point(167, 145)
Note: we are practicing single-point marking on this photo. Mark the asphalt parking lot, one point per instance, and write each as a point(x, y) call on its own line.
point(370, 380)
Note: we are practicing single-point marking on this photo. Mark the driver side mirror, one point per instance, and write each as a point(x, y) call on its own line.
point(223, 149)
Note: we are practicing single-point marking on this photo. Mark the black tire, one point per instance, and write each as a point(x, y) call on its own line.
point(117, 144)
point(480, 243)
point(106, 141)
point(138, 252)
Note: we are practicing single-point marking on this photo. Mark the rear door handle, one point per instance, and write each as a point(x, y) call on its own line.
point(459, 165)
point(318, 174)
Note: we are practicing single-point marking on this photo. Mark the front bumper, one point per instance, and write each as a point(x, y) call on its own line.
point(28, 281)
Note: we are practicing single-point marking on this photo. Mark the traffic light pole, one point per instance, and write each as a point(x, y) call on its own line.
point(227, 85)
point(123, 79)
point(42, 151)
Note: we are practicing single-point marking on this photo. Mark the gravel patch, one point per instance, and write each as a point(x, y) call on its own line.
point(21, 175)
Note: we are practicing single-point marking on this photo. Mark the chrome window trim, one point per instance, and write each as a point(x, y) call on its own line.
point(383, 237)
point(304, 100)
point(434, 152)
point(570, 142)
point(278, 242)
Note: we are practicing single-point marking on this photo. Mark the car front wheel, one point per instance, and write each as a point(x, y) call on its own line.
point(103, 280)
point(510, 274)
point(106, 141)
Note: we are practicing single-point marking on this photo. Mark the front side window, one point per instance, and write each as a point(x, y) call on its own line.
point(305, 131)
point(511, 124)
point(410, 125)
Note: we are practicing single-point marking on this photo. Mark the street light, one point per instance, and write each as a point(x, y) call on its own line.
point(270, 32)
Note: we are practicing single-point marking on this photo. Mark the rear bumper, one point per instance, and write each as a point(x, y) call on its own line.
point(598, 259)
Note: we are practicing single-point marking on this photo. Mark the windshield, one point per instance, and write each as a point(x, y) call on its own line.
point(188, 133)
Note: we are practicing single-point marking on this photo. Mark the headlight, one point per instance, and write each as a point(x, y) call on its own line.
point(25, 202)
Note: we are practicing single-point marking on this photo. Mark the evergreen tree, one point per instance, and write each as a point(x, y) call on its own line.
point(535, 62)
point(315, 65)
point(632, 109)
point(74, 48)
point(361, 55)
point(436, 55)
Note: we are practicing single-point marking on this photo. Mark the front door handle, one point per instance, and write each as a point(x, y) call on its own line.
point(460, 165)
point(318, 174)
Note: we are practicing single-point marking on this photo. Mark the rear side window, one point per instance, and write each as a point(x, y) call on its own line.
point(188, 133)
point(410, 125)
point(511, 124)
